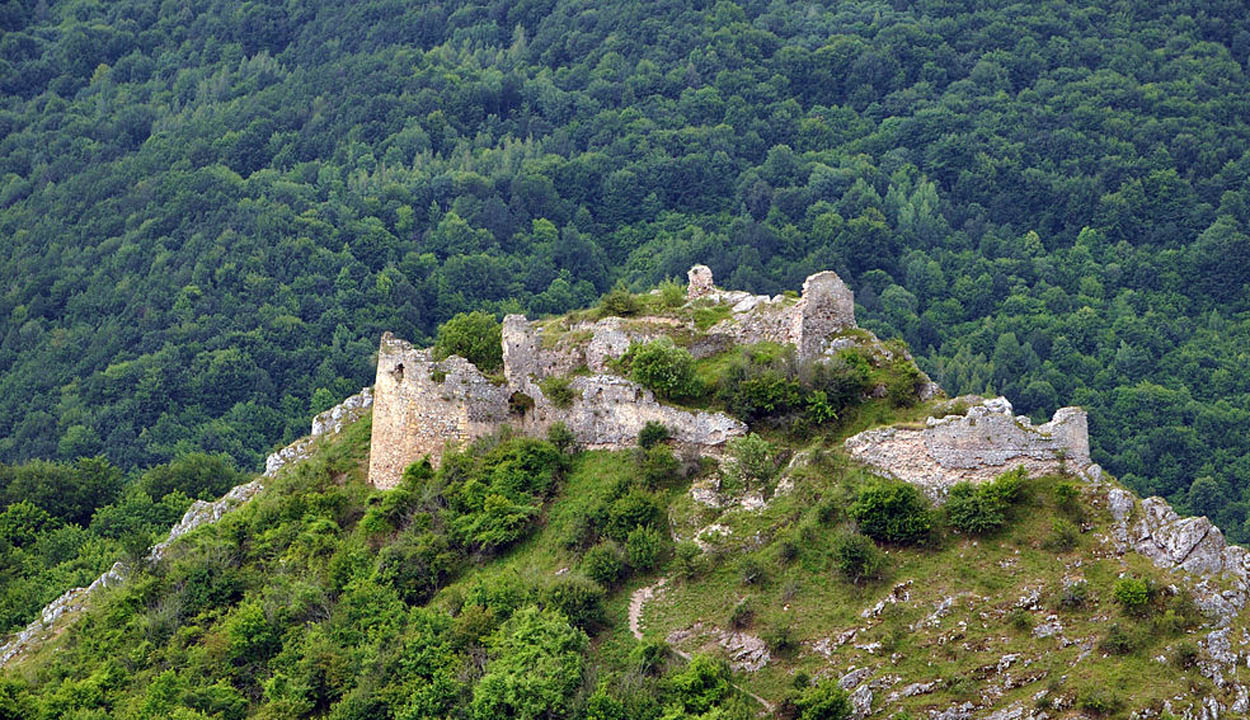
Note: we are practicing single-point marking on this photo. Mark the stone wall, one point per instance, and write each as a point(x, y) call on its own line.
point(826, 306)
point(976, 447)
point(419, 405)
point(608, 412)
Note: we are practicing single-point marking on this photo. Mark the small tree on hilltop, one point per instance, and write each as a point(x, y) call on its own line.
point(663, 367)
point(476, 337)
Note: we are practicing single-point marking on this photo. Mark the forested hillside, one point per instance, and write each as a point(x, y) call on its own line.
point(211, 210)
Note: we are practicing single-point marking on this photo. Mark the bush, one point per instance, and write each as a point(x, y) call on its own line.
point(742, 615)
point(663, 367)
point(824, 701)
point(604, 563)
point(857, 557)
point(1099, 701)
point(688, 560)
point(636, 508)
point(1118, 641)
point(1020, 620)
point(672, 293)
point(579, 598)
point(643, 548)
point(649, 656)
point(1063, 536)
point(892, 511)
point(1185, 655)
point(657, 466)
point(1074, 596)
point(619, 301)
point(559, 390)
point(780, 639)
point(754, 463)
point(1067, 498)
point(476, 337)
point(751, 570)
point(561, 437)
point(979, 509)
point(1134, 595)
point(653, 433)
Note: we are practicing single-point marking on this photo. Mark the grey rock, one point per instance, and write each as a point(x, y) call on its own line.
point(853, 678)
point(861, 702)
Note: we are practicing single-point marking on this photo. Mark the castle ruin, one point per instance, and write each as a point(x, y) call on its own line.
point(420, 404)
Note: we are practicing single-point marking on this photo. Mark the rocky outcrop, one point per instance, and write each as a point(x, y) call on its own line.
point(329, 422)
point(72, 601)
point(977, 446)
point(1221, 572)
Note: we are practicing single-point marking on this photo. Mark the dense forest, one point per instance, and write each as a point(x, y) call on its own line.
point(211, 210)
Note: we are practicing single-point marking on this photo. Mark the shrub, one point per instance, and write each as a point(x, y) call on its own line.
point(651, 434)
point(824, 701)
point(672, 293)
point(752, 393)
point(1099, 701)
point(780, 639)
point(636, 508)
point(857, 557)
point(604, 563)
point(1134, 595)
point(1185, 655)
point(559, 390)
point(657, 466)
point(742, 615)
point(561, 437)
point(1067, 498)
point(619, 301)
point(1117, 641)
point(751, 570)
point(701, 685)
point(891, 511)
point(979, 509)
point(649, 656)
point(579, 598)
point(1074, 596)
point(687, 560)
point(1064, 536)
point(643, 548)
point(753, 461)
point(1019, 619)
point(476, 337)
point(663, 367)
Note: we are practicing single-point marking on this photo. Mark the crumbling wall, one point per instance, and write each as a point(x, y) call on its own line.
point(607, 412)
point(419, 405)
point(826, 306)
point(976, 447)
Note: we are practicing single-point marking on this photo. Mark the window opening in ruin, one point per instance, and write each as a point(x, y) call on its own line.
point(399, 372)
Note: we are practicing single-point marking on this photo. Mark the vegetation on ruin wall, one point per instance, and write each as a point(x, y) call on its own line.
point(323, 597)
point(211, 212)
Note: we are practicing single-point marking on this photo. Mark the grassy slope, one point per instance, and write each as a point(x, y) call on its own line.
point(304, 528)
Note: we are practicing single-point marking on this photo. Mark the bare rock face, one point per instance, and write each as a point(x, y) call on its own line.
point(1192, 545)
point(976, 447)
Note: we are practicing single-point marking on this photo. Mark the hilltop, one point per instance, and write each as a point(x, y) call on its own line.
point(859, 545)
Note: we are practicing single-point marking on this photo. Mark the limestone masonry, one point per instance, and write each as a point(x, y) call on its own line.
point(420, 404)
point(977, 446)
